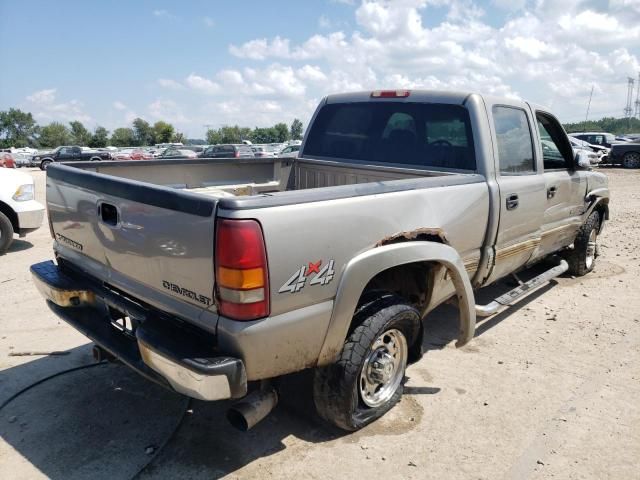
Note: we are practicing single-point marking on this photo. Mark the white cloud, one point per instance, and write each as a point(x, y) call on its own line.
point(202, 84)
point(209, 22)
point(167, 110)
point(119, 105)
point(43, 97)
point(324, 22)
point(162, 14)
point(169, 83)
point(46, 109)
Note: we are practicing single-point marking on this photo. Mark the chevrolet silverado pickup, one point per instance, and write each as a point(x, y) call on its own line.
point(68, 154)
point(216, 277)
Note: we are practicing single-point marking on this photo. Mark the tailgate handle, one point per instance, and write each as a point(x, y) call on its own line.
point(108, 213)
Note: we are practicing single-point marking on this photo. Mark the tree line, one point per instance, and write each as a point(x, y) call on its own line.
point(617, 126)
point(19, 129)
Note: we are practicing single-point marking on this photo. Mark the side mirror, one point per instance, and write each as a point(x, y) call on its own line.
point(582, 159)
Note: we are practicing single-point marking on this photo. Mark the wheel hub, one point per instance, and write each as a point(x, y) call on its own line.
point(383, 369)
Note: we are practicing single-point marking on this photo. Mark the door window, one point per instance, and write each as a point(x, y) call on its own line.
point(515, 147)
point(557, 152)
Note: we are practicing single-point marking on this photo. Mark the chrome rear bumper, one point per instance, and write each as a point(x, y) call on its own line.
point(158, 349)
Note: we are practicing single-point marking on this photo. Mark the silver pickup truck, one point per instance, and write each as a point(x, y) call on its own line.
point(214, 277)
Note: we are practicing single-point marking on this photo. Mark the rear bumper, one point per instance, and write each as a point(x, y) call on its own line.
point(177, 357)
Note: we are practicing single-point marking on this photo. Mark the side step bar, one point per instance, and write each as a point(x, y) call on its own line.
point(520, 291)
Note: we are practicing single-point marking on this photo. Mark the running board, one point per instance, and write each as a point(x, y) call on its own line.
point(512, 296)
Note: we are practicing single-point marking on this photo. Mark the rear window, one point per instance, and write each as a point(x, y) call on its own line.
point(422, 134)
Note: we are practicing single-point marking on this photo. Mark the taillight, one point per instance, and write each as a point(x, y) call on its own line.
point(242, 277)
point(390, 93)
point(237, 154)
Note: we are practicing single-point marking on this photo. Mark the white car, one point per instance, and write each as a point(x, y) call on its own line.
point(19, 212)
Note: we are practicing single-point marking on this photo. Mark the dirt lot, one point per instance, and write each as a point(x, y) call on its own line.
point(548, 389)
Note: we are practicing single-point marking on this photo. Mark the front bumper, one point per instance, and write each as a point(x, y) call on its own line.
point(159, 348)
point(30, 214)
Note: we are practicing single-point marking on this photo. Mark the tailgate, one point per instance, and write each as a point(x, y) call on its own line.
point(153, 242)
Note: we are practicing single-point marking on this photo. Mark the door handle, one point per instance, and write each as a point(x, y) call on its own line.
point(551, 191)
point(512, 201)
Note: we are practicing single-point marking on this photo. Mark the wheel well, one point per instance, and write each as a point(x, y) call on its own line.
point(11, 215)
point(603, 212)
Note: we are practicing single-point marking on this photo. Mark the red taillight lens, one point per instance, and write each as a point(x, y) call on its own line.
point(237, 154)
point(390, 93)
point(242, 277)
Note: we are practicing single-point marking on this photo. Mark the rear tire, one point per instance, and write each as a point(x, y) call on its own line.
point(44, 164)
point(367, 380)
point(631, 160)
point(582, 258)
point(6, 233)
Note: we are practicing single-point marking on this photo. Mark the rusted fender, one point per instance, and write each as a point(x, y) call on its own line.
point(360, 270)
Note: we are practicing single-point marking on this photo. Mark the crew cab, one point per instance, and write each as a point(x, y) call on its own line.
point(19, 212)
point(68, 154)
point(216, 277)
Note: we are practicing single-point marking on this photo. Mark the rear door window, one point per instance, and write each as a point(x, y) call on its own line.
point(515, 146)
point(420, 134)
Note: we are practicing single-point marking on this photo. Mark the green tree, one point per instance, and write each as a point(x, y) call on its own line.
point(54, 135)
point(162, 132)
point(143, 132)
point(281, 132)
point(264, 135)
point(79, 134)
point(178, 137)
point(122, 137)
point(213, 137)
point(100, 138)
point(617, 126)
point(296, 129)
point(18, 129)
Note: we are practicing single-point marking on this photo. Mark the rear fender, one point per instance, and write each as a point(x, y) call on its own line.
point(360, 270)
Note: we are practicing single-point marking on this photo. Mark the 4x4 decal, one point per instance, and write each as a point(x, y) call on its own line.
point(297, 281)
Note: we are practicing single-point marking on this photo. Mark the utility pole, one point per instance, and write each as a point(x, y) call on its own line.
point(628, 110)
point(586, 117)
point(637, 112)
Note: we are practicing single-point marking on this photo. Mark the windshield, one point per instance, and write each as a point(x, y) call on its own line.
point(422, 134)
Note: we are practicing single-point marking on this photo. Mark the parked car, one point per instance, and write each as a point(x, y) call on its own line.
point(596, 153)
point(172, 152)
point(597, 138)
point(290, 151)
point(264, 151)
point(19, 212)
point(69, 154)
point(198, 149)
point(22, 159)
point(625, 154)
point(245, 272)
point(6, 160)
point(228, 150)
point(132, 154)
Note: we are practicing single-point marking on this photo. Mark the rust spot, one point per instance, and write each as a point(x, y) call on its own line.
point(428, 234)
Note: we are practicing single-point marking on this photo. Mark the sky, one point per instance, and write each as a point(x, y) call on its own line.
point(203, 64)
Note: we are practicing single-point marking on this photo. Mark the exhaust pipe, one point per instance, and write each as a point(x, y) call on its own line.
point(251, 409)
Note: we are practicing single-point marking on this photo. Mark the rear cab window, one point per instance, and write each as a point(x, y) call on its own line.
point(417, 134)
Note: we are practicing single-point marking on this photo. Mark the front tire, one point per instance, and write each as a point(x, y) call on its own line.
point(44, 164)
point(6, 233)
point(582, 258)
point(631, 160)
point(367, 380)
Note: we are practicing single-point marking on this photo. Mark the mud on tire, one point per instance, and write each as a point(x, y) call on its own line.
point(336, 388)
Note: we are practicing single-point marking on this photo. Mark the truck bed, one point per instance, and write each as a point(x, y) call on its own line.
point(245, 177)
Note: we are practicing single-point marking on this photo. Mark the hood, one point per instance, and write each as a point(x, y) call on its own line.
point(11, 177)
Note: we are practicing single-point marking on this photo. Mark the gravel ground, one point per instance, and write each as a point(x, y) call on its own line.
point(549, 389)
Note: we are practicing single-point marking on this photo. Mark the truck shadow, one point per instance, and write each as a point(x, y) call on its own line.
point(107, 422)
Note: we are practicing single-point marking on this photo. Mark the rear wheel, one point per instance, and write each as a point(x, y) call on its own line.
point(95, 159)
point(366, 381)
point(6, 233)
point(583, 256)
point(44, 164)
point(631, 160)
